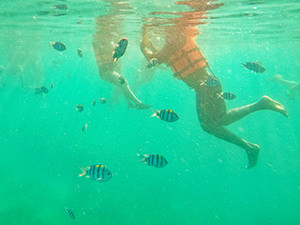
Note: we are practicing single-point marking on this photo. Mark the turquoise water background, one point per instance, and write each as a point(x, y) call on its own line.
point(205, 182)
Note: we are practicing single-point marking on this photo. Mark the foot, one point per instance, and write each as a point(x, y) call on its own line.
point(268, 103)
point(252, 154)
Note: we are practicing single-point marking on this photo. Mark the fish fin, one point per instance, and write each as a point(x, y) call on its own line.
point(143, 157)
point(99, 179)
point(83, 172)
point(115, 59)
point(243, 64)
point(154, 113)
point(219, 95)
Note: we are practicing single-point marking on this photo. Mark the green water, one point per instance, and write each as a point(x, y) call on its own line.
point(205, 182)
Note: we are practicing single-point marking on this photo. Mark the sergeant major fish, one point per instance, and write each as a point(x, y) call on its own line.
point(227, 95)
point(211, 81)
point(59, 46)
point(152, 62)
point(70, 213)
point(254, 66)
point(167, 115)
point(155, 160)
point(96, 172)
point(120, 49)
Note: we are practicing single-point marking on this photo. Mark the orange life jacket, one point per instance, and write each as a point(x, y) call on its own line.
point(186, 60)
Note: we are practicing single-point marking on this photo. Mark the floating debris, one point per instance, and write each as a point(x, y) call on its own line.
point(51, 85)
point(79, 108)
point(59, 46)
point(167, 115)
point(102, 100)
point(155, 160)
point(94, 102)
point(254, 66)
point(96, 172)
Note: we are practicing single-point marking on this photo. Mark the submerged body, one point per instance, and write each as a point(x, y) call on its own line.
point(182, 54)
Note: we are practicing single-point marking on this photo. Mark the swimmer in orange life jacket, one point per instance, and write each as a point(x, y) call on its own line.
point(107, 33)
point(182, 54)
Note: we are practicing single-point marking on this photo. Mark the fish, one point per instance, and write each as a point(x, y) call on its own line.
point(79, 52)
point(59, 46)
point(70, 213)
point(167, 115)
point(84, 128)
point(227, 95)
point(102, 100)
point(120, 49)
point(211, 82)
point(96, 172)
point(41, 90)
point(254, 66)
point(79, 107)
point(93, 102)
point(152, 62)
point(155, 160)
point(61, 6)
point(51, 85)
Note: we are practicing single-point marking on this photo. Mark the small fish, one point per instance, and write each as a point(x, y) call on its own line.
point(102, 100)
point(96, 172)
point(41, 90)
point(61, 6)
point(155, 160)
point(167, 115)
point(254, 66)
point(59, 46)
point(227, 95)
point(120, 49)
point(79, 107)
point(152, 62)
point(51, 85)
point(84, 128)
point(70, 213)
point(93, 102)
point(211, 82)
point(79, 52)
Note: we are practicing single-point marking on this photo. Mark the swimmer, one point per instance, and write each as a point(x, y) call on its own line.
point(292, 87)
point(105, 39)
point(182, 54)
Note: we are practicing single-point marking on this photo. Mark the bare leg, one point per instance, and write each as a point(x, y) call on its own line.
point(265, 103)
point(211, 111)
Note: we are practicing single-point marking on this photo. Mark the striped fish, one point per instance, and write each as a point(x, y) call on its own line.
point(167, 115)
point(152, 62)
point(59, 46)
point(120, 49)
point(211, 82)
point(254, 66)
point(70, 213)
point(155, 160)
point(96, 172)
point(227, 95)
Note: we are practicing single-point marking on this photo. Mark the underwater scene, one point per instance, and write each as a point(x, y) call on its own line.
point(150, 112)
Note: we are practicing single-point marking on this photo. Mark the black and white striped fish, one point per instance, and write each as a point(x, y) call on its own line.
point(211, 82)
point(152, 62)
point(254, 66)
point(120, 49)
point(167, 115)
point(70, 213)
point(59, 46)
point(227, 95)
point(155, 160)
point(96, 172)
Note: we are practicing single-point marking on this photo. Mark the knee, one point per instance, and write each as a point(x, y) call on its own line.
point(208, 127)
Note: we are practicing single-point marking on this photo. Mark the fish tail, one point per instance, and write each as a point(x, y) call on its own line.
point(154, 113)
point(83, 170)
point(143, 158)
